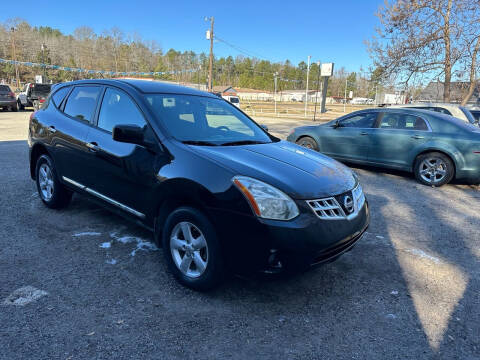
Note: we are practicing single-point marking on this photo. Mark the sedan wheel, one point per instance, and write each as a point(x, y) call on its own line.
point(307, 142)
point(189, 249)
point(434, 169)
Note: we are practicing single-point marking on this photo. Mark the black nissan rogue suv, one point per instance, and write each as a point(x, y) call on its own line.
point(218, 191)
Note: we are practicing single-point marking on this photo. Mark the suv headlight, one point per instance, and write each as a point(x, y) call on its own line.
point(266, 201)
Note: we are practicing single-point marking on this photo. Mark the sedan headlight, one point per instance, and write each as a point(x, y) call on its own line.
point(266, 201)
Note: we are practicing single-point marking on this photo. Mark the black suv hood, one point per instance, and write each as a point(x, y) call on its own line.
point(299, 172)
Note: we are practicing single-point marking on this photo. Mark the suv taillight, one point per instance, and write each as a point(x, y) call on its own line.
point(12, 94)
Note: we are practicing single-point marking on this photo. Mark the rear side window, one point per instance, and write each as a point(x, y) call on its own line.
point(82, 102)
point(4, 88)
point(402, 122)
point(118, 109)
point(60, 95)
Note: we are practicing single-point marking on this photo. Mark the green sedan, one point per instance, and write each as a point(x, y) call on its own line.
point(435, 147)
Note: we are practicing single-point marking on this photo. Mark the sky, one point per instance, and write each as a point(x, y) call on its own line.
point(329, 31)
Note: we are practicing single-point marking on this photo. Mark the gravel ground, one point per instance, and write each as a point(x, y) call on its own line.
point(82, 283)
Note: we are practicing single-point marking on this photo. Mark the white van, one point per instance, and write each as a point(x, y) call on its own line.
point(233, 99)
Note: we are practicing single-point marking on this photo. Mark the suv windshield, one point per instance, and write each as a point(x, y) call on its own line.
point(205, 121)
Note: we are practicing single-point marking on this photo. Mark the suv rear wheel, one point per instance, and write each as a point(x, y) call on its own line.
point(192, 250)
point(434, 169)
point(53, 193)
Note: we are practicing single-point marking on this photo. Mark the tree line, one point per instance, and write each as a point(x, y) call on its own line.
point(113, 50)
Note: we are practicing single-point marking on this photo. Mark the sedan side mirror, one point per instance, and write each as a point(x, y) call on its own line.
point(264, 127)
point(337, 124)
point(132, 134)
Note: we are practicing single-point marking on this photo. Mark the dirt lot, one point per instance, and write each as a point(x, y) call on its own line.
point(94, 286)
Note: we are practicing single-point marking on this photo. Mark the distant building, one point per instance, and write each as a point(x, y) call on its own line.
point(433, 92)
point(252, 94)
point(223, 90)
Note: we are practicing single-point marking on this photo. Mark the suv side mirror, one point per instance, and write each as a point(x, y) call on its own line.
point(132, 134)
point(264, 127)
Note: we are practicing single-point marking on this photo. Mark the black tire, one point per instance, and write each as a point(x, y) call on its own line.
point(20, 106)
point(434, 169)
point(307, 142)
point(14, 108)
point(59, 196)
point(214, 271)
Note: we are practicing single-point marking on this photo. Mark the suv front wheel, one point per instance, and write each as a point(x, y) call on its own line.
point(192, 250)
point(53, 193)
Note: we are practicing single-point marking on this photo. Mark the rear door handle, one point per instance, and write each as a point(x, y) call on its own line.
point(52, 129)
point(364, 133)
point(417, 137)
point(93, 146)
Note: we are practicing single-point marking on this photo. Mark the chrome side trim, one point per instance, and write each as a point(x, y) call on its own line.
point(73, 182)
point(105, 198)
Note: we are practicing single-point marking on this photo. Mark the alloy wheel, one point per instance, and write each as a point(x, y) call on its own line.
point(45, 180)
point(433, 170)
point(189, 249)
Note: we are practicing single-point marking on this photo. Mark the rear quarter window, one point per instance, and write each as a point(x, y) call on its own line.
point(58, 96)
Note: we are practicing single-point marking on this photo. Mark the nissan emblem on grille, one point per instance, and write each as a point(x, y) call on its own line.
point(348, 203)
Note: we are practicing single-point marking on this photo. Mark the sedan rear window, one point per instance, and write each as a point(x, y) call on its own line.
point(5, 88)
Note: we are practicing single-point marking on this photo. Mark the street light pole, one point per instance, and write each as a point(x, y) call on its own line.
point(318, 89)
point(275, 91)
point(306, 89)
point(15, 57)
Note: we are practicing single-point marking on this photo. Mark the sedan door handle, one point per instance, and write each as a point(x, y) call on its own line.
point(52, 129)
point(364, 133)
point(417, 137)
point(93, 146)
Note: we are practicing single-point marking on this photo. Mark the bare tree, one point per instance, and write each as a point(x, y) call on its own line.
point(424, 37)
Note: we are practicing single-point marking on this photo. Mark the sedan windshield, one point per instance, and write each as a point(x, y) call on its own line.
point(201, 120)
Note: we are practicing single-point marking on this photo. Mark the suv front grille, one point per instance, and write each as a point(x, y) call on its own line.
point(339, 207)
point(327, 208)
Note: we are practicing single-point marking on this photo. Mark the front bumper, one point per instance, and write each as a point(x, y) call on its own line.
point(249, 242)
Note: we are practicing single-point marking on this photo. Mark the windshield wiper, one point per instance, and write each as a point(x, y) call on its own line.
point(243, 142)
point(199, 142)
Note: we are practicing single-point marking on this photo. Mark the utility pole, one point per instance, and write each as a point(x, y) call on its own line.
point(210, 36)
point(15, 57)
point(318, 89)
point(306, 90)
point(275, 91)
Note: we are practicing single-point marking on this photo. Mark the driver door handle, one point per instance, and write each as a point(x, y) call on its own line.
point(417, 137)
point(93, 146)
point(364, 133)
